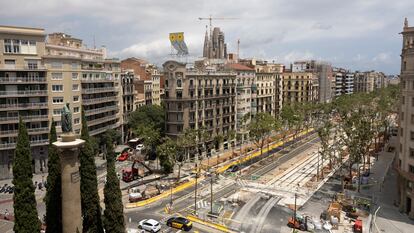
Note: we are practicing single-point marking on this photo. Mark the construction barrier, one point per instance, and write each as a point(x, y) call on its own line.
point(162, 195)
point(210, 224)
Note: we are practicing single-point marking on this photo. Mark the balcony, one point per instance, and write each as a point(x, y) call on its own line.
point(31, 131)
point(98, 90)
point(98, 80)
point(24, 93)
point(103, 129)
point(24, 67)
point(99, 100)
point(100, 110)
point(18, 106)
point(23, 80)
point(29, 118)
point(102, 119)
point(8, 146)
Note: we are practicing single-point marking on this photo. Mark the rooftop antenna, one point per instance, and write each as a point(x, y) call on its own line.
point(238, 50)
point(94, 47)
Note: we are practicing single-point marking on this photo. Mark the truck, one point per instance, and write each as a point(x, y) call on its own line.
point(133, 173)
point(136, 194)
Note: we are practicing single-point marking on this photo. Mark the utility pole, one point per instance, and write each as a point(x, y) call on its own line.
point(317, 168)
point(294, 211)
point(171, 197)
point(211, 192)
point(195, 191)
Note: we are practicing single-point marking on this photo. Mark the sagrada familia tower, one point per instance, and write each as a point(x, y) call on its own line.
point(214, 46)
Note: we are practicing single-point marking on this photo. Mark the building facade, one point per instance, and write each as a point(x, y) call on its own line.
point(128, 98)
point(83, 77)
point(197, 97)
point(344, 81)
point(299, 87)
point(147, 80)
point(245, 107)
point(23, 93)
point(405, 164)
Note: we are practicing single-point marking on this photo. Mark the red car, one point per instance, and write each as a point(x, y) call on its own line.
point(124, 156)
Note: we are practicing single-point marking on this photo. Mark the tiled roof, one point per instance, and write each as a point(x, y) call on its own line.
point(237, 66)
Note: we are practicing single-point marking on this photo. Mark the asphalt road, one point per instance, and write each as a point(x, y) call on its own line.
point(183, 201)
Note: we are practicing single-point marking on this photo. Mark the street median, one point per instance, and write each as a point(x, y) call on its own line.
point(209, 224)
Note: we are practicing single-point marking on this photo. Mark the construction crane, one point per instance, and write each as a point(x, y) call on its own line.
point(215, 18)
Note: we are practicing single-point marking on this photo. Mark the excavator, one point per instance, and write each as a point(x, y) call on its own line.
point(133, 173)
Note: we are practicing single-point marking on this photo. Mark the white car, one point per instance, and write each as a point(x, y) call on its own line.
point(150, 225)
point(139, 147)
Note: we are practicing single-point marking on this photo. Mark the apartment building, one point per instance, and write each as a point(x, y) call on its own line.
point(323, 73)
point(83, 77)
point(199, 97)
point(245, 100)
point(23, 93)
point(299, 87)
point(344, 81)
point(369, 81)
point(268, 85)
point(148, 79)
point(405, 163)
point(128, 98)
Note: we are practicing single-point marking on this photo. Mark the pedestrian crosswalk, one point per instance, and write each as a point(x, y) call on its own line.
point(202, 204)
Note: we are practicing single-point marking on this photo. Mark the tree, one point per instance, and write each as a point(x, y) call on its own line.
point(151, 138)
point(167, 153)
point(113, 213)
point(91, 209)
point(288, 118)
point(53, 198)
point(260, 128)
point(24, 201)
point(203, 136)
point(153, 115)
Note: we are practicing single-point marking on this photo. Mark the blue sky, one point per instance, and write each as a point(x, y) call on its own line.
point(354, 34)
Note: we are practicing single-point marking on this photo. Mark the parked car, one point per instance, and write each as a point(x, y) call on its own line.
point(139, 147)
point(233, 168)
point(180, 223)
point(150, 225)
point(124, 156)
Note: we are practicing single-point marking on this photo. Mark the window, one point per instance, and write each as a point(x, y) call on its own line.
point(179, 83)
point(411, 153)
point(74, 76)
point(75, 87)
point(57, 100)
point(402, 116)
point(76, 121)
point(7, 46)
point(57, 88)
point(412, 135)
point(411, 168)
point(412, 118)
point(166, 83)
point(57, 76)
point(16, 46)
point(76, 98)
point(57, 112)
point(74, 65)
point(57, 65)
point(75, 109)
point(401, 132)
point(32, 64)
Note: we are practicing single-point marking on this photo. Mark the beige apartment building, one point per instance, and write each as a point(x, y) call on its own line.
point(268, 85)
point(299, 87)
point(245, 100)
point(23, 93)
point(369, 81)
point(405, 163)
point(199, 97)
point(83, 76)
point(38, 75)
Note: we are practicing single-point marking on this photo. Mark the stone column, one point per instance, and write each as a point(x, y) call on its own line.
point(69, 149)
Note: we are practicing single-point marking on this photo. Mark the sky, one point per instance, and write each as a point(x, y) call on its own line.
point(353, 34)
